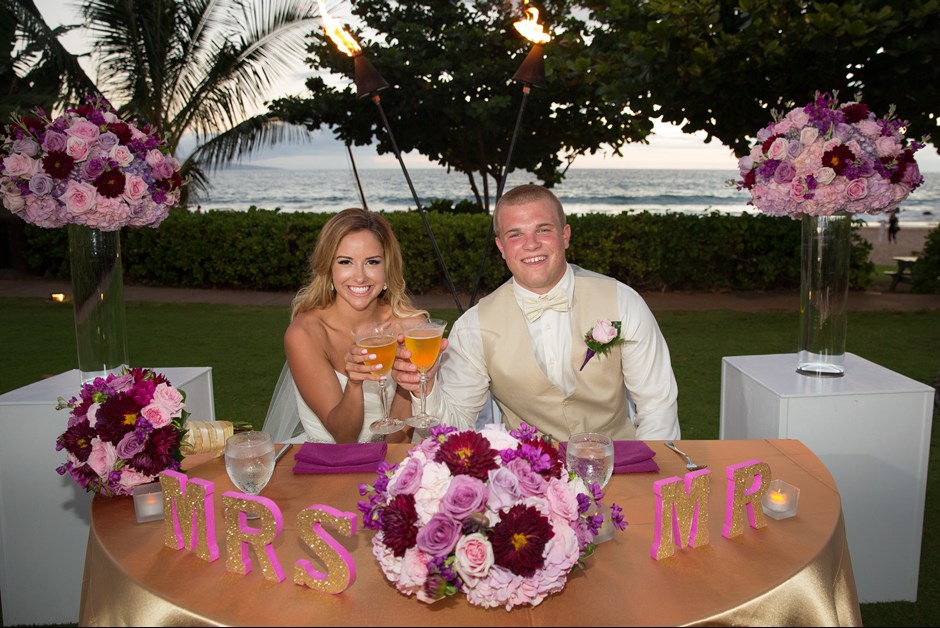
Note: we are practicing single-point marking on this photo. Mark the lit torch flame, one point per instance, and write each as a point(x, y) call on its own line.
point(343, 40)
point(531, 29)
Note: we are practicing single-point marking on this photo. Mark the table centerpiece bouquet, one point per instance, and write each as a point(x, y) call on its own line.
point(827, 157)
point(494, 515)
point(123, 430)
point(86, 167)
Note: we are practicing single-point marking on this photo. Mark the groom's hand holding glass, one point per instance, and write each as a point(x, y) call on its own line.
point(407, 375)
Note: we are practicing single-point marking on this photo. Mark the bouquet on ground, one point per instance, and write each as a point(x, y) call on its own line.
point(494, 515)
point(123, 430)
point(826, 158)
point(86, 167)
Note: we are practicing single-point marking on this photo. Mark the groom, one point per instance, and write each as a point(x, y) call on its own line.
point(525, 342)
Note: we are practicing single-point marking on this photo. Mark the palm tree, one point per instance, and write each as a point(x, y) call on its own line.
point(35, 69)
point(199, 67)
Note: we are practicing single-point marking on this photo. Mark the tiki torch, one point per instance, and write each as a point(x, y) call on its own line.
point(531, 73)
point(368, 83)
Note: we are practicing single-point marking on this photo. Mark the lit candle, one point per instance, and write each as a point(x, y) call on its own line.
point(777, 500)
point(781, 500)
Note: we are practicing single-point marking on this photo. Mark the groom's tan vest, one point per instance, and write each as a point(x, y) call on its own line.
point(524, 393)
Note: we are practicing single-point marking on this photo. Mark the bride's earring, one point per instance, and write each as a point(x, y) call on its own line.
point(332, 289)
point(385, 287)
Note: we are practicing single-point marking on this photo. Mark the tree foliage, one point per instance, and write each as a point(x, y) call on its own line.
point(450, 64)
point(719, 65)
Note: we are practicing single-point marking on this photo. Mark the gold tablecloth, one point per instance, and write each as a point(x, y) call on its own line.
point(794, 572)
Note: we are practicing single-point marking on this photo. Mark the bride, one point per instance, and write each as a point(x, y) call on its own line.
point(357, 278)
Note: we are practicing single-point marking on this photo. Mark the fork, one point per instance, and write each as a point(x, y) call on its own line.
point(691, 466)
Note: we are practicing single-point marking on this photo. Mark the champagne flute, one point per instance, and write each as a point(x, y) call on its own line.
point(381, 340)
point(424, 342)
point(249, 461)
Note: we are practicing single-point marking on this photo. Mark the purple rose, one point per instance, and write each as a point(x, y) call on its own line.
point(504, 489)
point(439, 535)
point(93, 168)
point(26, 145)
point(407, 479)
point(130, 445)
point(54, 142)
point(107, 141)
point(464, 496)
point(40, 184)
point(784, 172)
point(530, 483)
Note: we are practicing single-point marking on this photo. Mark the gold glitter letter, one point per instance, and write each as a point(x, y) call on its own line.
point(687, 507)
point(189, 514)
point(340, 566)
point(747, 483)
point(239, 536)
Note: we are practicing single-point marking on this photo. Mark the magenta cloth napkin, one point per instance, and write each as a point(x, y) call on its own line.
point(339, 457)
point(630, 456)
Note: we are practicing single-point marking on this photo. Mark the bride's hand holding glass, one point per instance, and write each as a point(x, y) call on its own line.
point(371, 358)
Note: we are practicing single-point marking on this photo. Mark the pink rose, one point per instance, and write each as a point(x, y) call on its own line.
point(778, 150)
point(102, 456)
point(84, 130)
point(19, 165)
point(156, 415)
point(808, 135)
point(26, 145)
point(530, 482)
point(604, 332)
point(134, 187)
point(857, 189)
point(122, 155)
point(504, 489)
point(798, 117)
point(798, 189)
point(562, 500)
point(162, 170)
point(169, 398)
point(474, 557)
point(825, 175)
point(887, 146)
point(79, 197)
point(154, 157)
point(77, 148)
point(13, 200)
point(131, 478)
point(869, 127)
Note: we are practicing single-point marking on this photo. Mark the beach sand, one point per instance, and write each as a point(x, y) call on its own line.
point(910, 241)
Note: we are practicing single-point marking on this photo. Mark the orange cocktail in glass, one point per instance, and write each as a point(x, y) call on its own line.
point(380, 340)
point(424, 342)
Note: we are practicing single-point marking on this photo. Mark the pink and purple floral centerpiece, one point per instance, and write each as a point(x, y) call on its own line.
point(123, 430)
point(96, 173)
point(494, 515)
point(824, 163)
point(87, 167)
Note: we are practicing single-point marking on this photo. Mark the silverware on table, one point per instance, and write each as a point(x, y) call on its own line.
point(691, 466)
point(281, 453)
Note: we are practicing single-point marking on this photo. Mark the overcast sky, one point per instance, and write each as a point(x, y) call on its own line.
point(668, 148)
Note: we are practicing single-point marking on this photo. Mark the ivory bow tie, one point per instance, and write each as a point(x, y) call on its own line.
point(533, 308)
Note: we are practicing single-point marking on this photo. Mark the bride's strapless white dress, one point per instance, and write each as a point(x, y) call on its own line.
point(290, 419)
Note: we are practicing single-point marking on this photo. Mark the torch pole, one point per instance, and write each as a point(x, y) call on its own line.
point(499, 193)
point(424, 218)
point(362, 194)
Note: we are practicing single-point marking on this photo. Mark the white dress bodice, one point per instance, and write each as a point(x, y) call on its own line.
point(372, 406)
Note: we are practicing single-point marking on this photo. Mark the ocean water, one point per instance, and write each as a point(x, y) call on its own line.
point(582, 191)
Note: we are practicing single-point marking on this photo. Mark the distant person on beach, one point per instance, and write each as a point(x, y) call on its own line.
point(893, 226)
point(356, 278)
point(525, 343)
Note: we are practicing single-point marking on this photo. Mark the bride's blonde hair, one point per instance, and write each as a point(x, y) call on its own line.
point(319, 293)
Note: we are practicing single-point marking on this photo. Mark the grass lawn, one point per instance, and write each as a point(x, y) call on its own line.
point(243, 346)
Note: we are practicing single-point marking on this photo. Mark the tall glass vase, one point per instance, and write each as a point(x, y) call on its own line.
point(98, 298)
point(824, 293)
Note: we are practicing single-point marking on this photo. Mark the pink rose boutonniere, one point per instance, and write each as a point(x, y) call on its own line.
point(603, 337)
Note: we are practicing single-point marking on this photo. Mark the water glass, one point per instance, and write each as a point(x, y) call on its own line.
point(249, 461)
point(591, 457)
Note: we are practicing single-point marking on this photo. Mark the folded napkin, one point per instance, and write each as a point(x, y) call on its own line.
point(630, 456)
point(340, 457)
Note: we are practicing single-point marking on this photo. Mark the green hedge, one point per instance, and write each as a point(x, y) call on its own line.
point(268, 250)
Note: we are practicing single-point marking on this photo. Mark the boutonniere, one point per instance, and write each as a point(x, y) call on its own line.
point(603, 337)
